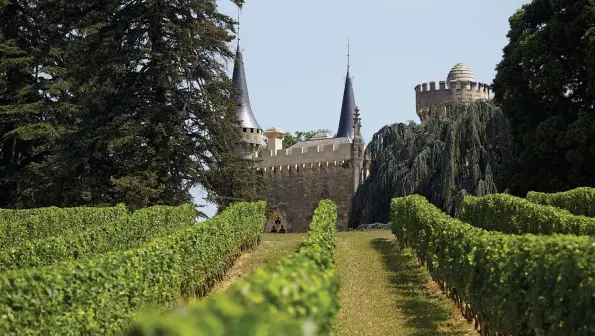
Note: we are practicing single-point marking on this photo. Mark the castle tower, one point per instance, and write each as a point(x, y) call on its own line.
point(250, 131)
point(460, 85)
point(347, 107)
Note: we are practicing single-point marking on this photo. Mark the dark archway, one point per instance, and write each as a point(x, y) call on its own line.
point(278, 225)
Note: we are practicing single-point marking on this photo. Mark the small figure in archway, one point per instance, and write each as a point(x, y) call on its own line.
point(274, 229)
point(282, 229)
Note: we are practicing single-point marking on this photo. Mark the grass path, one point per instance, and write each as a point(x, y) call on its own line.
point(383, 291)
point(272, 248)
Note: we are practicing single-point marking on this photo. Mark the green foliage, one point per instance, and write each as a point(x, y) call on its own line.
point(99, 295)
point(233, 179)
point(442, 159)
point(545, 85)
point(34, 104)
point(510, 214)
point(513, 284)
point(98, 109)
point(157, 104)
point(291, 139)
point(224, 317)
point(96, 238)
point(297, 296)
point(20, 226)
point(579, 201)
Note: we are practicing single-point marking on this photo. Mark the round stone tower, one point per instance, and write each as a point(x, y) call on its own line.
point(460, 85)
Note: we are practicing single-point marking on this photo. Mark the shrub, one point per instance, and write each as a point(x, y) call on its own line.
point(579, 201)
point(295, 296)
point(19, 226)
point(99, 295)
point(129, 232)
point(510, 214)
point(512, 284)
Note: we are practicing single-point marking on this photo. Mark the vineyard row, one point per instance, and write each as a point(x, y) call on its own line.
point(506, 283)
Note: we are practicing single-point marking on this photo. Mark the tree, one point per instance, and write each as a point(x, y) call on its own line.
point(35, 104)
point(155, 106)
point(234, 179)
point(545, 85)
point(291, 139)
point(443, 159)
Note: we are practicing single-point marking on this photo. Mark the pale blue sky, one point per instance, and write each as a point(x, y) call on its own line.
point(295, 54)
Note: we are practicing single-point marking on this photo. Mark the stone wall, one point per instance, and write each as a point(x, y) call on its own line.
point(304, 155)
point(296, 191)
point(427, 96)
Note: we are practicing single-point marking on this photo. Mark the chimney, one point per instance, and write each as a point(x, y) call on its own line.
point(274, 139)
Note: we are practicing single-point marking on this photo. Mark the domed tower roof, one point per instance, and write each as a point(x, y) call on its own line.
point(460, 72)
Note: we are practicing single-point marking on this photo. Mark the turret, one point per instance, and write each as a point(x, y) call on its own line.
point(460, 85)
point(250, 132)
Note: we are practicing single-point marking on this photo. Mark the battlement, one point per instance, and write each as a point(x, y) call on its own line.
point(427, 95)
point(299, 167)
point(452, 85)
point(305, 155)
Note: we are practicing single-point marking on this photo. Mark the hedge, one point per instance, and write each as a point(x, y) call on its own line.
point(100, 295)
point(296, 296)
point(579, 201)
point(129, 232)
point(19, 226)
point(510, 214)
point(511, 284)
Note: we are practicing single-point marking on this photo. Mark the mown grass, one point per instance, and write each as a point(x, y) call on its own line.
point(384, 292)
point(271, 249)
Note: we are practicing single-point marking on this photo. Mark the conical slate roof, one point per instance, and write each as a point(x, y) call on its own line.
point(347, 107)
point(460, 72)
point(244, 112)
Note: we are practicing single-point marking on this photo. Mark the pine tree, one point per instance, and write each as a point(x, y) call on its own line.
point(154, 100)
point(34, 100)
point(442, 159)
point(233, 179)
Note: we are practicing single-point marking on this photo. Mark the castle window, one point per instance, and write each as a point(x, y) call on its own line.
point(252, 130)
point(245, 130)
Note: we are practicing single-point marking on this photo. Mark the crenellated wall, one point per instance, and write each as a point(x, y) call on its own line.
point(296, 189)
point(304, 155)
point(427, 94)
point(300, 177)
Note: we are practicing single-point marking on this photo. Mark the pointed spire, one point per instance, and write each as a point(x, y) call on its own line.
point(244, 112)
point(347, 107)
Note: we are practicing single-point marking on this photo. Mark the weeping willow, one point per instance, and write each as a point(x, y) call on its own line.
point(444, 159)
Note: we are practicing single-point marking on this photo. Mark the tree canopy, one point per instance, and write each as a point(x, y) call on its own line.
point(117, 101)
point(442, 159)
point(291, 139)
point(545, 85)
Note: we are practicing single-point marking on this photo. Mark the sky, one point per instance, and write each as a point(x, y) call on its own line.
point(295, 56)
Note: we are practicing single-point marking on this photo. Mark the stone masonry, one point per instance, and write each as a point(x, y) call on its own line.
point(459, 86)
point(300, 177)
